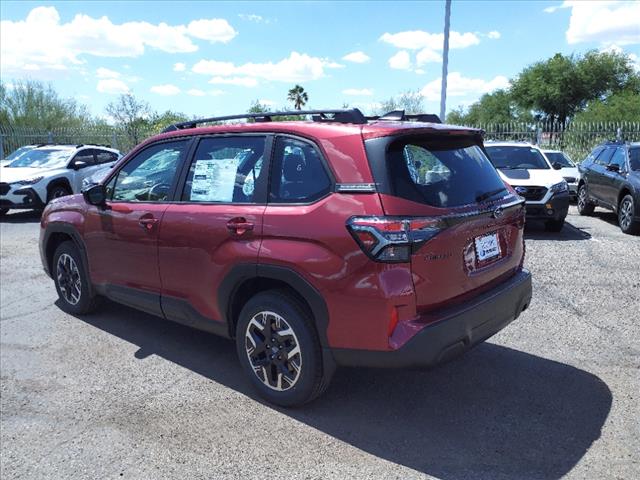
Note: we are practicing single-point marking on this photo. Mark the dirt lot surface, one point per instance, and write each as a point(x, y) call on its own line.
point(121, 394)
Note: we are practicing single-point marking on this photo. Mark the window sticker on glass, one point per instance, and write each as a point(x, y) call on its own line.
point(213, 180)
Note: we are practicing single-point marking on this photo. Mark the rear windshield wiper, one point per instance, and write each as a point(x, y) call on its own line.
point(486, 196)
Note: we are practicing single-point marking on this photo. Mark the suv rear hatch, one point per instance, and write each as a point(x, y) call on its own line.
point(460, 225)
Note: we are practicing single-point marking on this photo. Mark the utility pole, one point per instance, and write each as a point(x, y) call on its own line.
point(445, 61)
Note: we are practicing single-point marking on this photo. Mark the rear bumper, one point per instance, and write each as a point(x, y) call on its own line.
point(460, 328)
point(559, 207)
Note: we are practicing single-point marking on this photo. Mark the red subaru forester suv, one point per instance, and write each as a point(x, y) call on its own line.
point(339, 240)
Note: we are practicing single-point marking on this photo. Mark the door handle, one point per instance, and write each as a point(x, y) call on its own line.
point(148, 223)
point(239, 226)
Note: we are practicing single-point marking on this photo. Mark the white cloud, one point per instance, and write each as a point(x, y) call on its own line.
point(41, 41)
point(112, 85)
point(252, 17)
point(494, 34)
point(427, 55)
point(358, 92)
point(459, 86)
point(241, 81)
point(297, 67)
point(165, 90)
point(194, 92)
point(214, 30)
point(356, 57)
point(179, 67)
point(400, 61)
point(417, 39)
point(106, 73)
point(604, 22)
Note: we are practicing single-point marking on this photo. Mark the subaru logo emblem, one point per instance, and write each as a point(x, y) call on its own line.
point(498, 212)
point(521, 190)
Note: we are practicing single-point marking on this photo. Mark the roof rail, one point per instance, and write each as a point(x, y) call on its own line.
point(351, 115)
point(400, 116)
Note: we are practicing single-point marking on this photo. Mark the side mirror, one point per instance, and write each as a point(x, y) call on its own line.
point(95, 195)
point(613, 167)
point(556, 166)
point(78, 164)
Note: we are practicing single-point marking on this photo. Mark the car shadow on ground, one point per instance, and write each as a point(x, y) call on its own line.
point(534, 230)
point(21, 216)
point(606, 215)
point(494, 413)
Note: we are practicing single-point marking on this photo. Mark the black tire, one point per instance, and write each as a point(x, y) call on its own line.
point(3, 211)
point(57, 191)
point(626, 214)
point(585, 207)
point(64, 276)
point(554, 225)
point(312, 376)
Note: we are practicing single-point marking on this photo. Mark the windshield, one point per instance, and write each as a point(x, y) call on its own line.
point(634, 159)
point(49, 158)
point(516, 157)
point(19, 152)
point(559, 157)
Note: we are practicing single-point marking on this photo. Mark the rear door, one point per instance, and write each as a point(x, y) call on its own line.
point(214, 224)
point(468, 226)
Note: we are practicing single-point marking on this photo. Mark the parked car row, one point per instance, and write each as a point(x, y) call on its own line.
point(35, 174)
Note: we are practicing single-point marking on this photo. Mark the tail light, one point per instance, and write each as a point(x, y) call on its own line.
point(392, 239)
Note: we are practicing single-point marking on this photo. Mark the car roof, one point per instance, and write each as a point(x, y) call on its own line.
point(492, 143)
point(64, 146)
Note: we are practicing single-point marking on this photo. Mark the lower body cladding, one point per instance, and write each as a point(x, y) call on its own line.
point(21, 198)
point(459, 329)
point(556, 208)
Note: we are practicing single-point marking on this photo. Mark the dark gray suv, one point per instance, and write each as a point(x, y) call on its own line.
point(610, 178)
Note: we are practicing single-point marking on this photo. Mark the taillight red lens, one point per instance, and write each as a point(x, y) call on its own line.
point(392, 239)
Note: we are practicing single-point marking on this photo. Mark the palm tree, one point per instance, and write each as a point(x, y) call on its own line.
point(298, 96)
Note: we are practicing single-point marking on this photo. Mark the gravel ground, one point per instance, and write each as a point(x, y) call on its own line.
point(124, 394)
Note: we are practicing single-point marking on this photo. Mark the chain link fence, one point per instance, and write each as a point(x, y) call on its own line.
point(576, 139)
point(12, 138)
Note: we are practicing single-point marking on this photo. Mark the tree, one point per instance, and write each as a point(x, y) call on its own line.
point(159, 121)
point(298, 97)
point(410, 101)
point(496, 107)
point(561, 86)
point(131, 114)
point(257, 107)
point(619, 107)
point(33, 104)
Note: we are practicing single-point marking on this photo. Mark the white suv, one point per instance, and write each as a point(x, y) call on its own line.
point(50, 171)
point(529, 172)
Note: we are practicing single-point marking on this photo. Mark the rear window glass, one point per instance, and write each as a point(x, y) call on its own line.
point(442, 175)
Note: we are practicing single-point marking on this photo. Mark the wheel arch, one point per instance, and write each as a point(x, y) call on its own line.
point(57, 233)
point(59, 181)
point(624, 191)
point(245, 281)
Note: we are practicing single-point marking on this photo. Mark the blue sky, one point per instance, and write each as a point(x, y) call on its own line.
point(209, 58)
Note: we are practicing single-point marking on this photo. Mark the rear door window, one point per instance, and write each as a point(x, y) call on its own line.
point(442, 174)
point(299, 176)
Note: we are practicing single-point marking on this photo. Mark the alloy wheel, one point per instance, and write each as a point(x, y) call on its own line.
point(625, 216)
point(582, 198)
point(68, 276)
point(273, 351)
